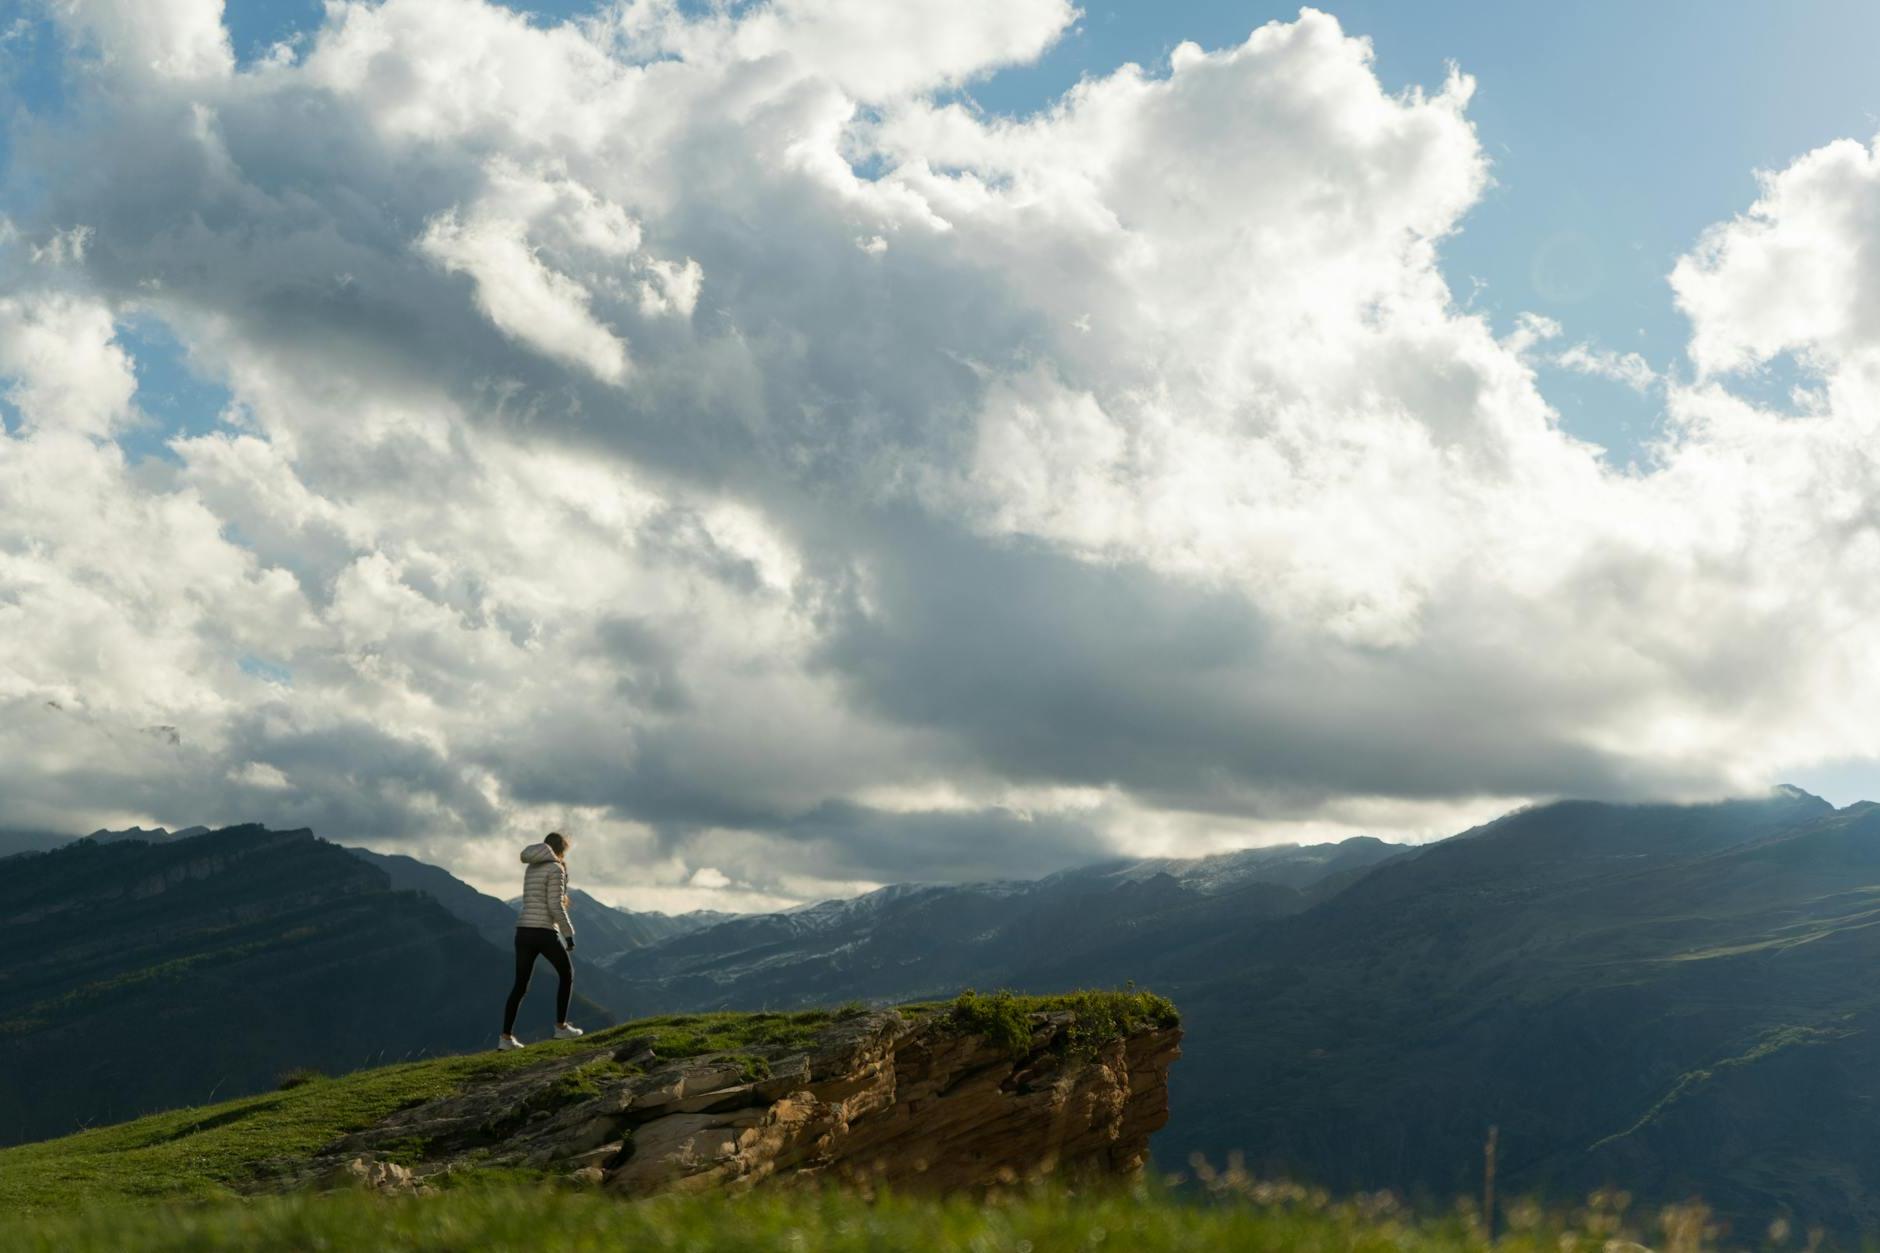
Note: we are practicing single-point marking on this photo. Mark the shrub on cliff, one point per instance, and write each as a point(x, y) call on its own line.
point(1098, 1017)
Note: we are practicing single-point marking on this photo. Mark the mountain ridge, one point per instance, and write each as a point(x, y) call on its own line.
point(1561, 973)
point(228, 958)
point(1673, 995)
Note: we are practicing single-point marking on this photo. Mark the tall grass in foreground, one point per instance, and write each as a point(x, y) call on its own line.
point(1234, 1215)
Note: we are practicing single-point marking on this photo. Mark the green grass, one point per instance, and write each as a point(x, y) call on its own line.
point(1004, 1018)
point(1772, 1043)
point(687, 1035)
point(210, 1151)
point(35, 1016)
point(1049, 1220)
point(214, 1151)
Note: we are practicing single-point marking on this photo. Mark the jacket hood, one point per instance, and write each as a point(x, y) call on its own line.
point(535, 854)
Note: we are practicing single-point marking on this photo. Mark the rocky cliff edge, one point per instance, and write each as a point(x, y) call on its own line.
point(975, 1096)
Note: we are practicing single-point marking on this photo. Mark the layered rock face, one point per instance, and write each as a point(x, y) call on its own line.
point(878, 1098)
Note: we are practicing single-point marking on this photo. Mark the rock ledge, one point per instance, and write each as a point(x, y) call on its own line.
point(878, 1097)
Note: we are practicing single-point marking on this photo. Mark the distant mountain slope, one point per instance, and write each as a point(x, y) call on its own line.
point(15, 841)
point(1681, 997)
point(137, 976)
point(493, 919)
point(911, 941)
point(146, 835)
point(620, 929)
point(1291, 865)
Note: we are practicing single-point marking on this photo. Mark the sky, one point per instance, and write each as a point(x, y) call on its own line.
point(804, 445)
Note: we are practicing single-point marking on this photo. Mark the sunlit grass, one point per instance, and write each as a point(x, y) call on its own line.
point(213, 1150)
point(216, 1151)
point(1228, 1214)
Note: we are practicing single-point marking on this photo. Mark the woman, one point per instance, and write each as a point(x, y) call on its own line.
point(541, 930)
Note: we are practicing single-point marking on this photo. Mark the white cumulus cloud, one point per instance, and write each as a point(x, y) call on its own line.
point(695, 429)
point(529, 301)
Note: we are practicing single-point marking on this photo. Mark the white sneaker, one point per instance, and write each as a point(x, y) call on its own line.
point(565, 1032)
point(508, 1044)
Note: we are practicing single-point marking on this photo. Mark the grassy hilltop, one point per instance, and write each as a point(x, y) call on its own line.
point(197, 1179)
point(213, 1152)
point(226, 1150)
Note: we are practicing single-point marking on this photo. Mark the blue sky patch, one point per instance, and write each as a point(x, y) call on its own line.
point(177, 399)
point(268, 671)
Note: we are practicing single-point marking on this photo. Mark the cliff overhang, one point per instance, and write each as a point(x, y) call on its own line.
point(978, 1095)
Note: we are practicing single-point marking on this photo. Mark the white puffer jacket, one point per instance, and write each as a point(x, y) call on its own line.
point(544, 888)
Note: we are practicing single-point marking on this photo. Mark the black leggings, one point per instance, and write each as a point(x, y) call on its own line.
point(533, 942)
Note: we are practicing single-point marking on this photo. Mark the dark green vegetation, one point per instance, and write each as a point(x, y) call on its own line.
point(1099, 1017)
point(1683, 1000)
point(1680, 1001)
point(218, 1150)
point(213, 1150)
point(540, 1220)
point(139, 976)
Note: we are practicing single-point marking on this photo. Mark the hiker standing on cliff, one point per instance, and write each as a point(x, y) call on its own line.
point(542, 929)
